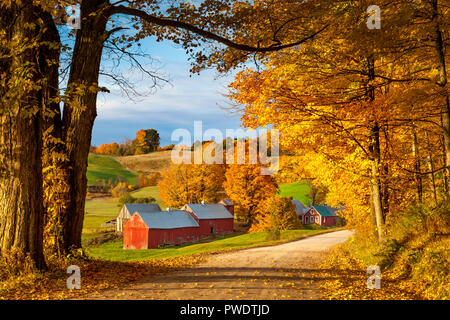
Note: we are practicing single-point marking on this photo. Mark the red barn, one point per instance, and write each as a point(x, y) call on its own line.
point(320, 215)
point(213, 218)
point(146, 230)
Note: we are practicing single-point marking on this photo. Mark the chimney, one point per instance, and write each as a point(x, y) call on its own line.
point(168, 209)
point(203, 202)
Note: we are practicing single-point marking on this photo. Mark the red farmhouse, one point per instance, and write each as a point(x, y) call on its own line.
point(146, 230)
point(320, 215)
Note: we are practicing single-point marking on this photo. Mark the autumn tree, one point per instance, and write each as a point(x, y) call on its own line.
point(246, 186)
point(318, 193)
point(26, 95)
point(111, 149)
point(147, 141)
point(191, 183)
point(229, 32)
point(348, 97)
point(276, 213)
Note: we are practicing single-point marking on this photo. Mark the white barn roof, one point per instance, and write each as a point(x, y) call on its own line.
point(210, 211)
point(168, 219)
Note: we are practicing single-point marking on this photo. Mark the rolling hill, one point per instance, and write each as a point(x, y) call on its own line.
point(146, 163)
point(102, 169)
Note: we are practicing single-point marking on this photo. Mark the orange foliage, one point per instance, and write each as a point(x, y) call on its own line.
point(191, 183)
point(246, 186)
point(276, 213)
point(111, 149)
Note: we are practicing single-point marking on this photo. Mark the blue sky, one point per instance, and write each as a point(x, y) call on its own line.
point(175, 105)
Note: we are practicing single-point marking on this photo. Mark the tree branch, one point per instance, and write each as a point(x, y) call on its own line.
point(204, 33)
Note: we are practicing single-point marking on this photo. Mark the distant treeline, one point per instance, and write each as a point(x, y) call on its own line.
point(146, 141)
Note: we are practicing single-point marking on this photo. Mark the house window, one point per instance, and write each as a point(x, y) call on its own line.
point(317, 219)
point(306, 220)
point(324, 219)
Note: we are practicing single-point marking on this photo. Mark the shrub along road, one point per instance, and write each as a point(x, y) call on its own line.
point(285, 271)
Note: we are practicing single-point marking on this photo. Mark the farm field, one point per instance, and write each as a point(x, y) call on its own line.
point(102, 169)
point(146, 163)
point(296, 190)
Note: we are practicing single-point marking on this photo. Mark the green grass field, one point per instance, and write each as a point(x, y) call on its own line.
point(296, 190)
point(102, 209)
point(113, 250)
point(102, 169)
point(148, 192)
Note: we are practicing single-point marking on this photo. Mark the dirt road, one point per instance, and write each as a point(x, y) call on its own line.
point(278, 272)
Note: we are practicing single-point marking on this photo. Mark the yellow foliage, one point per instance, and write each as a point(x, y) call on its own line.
point(276, 213)
point(246, 186)
point(191, 183)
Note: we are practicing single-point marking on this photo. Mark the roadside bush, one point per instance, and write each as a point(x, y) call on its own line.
point(276, 213)
point(340, 222)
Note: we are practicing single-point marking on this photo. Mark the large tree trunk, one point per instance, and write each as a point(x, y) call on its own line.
point(375, 181)
point(446, 141)
point(22, 100)
point(431, 169)
point(80, 112)
point(375, 157)
point(54, 177)
point(417, 166)
point(442, 83)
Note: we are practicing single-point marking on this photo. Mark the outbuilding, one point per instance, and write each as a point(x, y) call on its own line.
point(213, 218)
point(130, 208)
point(148, 230)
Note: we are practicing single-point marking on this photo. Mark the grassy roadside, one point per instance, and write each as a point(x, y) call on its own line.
point(113, 250)
point(347, 279)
